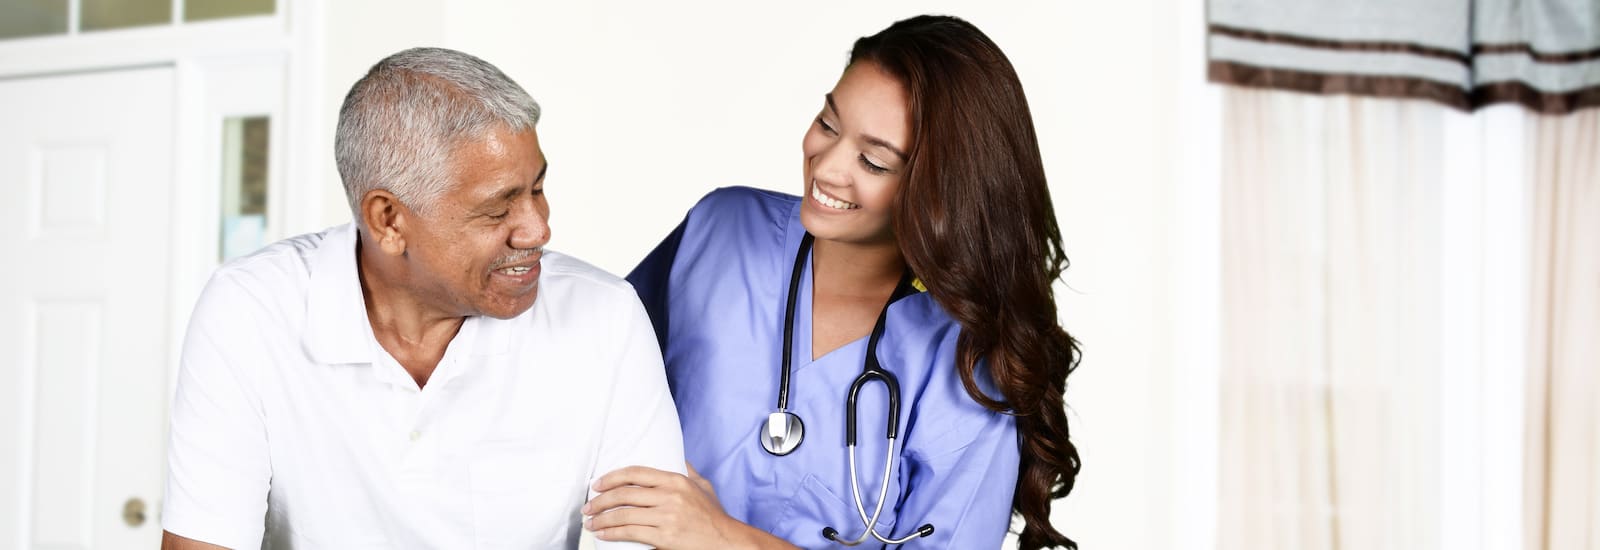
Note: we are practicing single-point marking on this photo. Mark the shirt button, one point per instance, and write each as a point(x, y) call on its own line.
point(415, 435)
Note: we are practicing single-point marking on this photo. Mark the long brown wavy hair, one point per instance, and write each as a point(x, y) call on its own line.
point(975, 223)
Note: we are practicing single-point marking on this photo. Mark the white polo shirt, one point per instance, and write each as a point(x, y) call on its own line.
point(292, 427)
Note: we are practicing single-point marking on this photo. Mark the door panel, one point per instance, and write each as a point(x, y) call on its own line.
point(85, 192)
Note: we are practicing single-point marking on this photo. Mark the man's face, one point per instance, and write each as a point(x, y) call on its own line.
point(477, 251)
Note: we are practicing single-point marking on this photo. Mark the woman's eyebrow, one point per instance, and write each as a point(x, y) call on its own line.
point(871, 139)
point(886, 145)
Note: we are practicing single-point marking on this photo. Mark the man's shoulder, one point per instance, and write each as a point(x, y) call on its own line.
point(277, 272)
point(572, 275)
point(293, 255)
point(576, 298)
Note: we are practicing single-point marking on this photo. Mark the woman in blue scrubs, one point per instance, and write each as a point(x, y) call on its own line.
point(924, 211)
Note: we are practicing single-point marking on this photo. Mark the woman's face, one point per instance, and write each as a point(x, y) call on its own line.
point(855, 157)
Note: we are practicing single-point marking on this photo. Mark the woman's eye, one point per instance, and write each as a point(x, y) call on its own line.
point(873, 167)
point(824, 125)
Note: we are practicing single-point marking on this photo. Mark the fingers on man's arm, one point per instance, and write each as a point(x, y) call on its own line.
point(624, 496)
point(618, 517)
point(642, 476)
point(635, 533)
point(640, 525)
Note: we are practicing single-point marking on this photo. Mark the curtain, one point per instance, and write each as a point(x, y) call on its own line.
point(1562, 469)
point(1331, 348)
point(1544, 54)
point(1338, 352)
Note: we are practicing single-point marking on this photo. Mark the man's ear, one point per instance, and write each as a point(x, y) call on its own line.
point(385, 218)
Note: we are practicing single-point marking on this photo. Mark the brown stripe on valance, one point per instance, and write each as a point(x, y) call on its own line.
point(1542, 57)
point(1330, 83)
point(1348, 45)
point(1543, 54)
point(1543, 102)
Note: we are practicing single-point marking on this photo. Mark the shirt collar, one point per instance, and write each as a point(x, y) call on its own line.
point(337, 330)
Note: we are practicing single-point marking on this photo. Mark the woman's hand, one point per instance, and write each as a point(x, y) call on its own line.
point(668, 511)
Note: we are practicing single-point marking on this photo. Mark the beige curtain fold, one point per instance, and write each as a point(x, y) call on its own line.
point(1332, 366)
point(1562, 469)
point(1330, 323)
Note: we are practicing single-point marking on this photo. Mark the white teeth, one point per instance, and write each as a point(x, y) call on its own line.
point(516, 270)
point(831, 202)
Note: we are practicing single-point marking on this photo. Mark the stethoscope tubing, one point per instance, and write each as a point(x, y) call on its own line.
point(871, 371)
point(788, 322)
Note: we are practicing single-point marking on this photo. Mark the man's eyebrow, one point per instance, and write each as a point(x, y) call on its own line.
point(871, 140)
point(514, 191)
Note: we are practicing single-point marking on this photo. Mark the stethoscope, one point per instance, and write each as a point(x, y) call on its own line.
point(784, 430)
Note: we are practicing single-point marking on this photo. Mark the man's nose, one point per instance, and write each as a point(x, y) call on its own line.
point(531, 227)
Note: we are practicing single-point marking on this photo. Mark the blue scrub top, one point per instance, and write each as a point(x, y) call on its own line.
point(715, 290)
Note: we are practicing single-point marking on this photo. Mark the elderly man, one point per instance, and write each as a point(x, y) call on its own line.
point(428, 376)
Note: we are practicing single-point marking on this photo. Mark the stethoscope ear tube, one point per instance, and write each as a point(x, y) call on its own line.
point(788, 321)
point(783, 431)
point(893, 389)
point(874, 370)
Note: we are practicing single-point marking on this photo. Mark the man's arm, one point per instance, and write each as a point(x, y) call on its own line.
point(641, 422)
point(218, 470)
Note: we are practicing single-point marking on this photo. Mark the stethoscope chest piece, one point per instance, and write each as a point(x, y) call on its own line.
point(782, 433)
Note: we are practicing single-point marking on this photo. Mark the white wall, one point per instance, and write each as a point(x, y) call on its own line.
point(649, 105)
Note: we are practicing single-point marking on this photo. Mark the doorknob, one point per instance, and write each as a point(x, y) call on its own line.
point(133, 512)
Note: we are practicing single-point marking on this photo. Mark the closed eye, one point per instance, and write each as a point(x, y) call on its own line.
point(825, 127)
point(874, 168)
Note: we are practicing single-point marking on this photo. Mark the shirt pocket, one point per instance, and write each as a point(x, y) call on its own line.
point(814, 507)
point(525, 495)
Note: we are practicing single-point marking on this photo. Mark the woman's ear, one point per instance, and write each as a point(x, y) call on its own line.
point(384, 217)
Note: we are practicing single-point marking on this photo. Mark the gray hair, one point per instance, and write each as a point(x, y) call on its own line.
point(400, 122)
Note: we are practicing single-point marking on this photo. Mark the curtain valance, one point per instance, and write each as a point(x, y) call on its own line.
point(1544, 54)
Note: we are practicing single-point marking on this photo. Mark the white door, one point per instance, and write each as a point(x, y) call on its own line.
point(85, 185)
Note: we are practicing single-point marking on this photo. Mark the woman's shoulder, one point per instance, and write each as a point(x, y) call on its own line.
point(743, 204)
point(920, 327)
point(729, 225)
point(929, 335)
point(932, 321)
